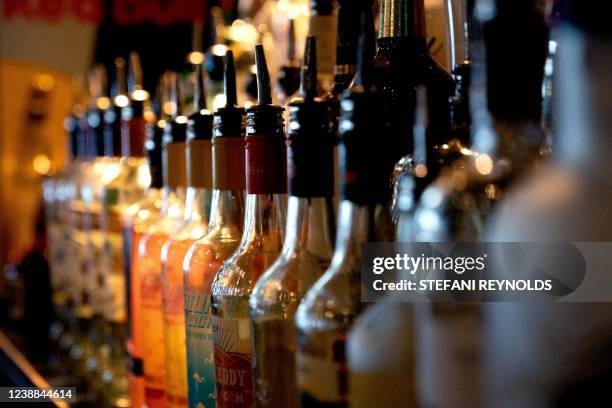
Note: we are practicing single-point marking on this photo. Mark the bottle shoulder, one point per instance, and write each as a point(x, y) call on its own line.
point(279, 291)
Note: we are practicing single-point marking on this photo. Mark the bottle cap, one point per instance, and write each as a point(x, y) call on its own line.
point(366, 162)
point(199, 135)
point(266, 155)
point(309, 142)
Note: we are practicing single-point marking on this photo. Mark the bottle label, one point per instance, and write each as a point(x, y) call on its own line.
point(200, 356)
point(199, 163)
point(174, 164)
point(232, 351)
point(228, 163)
point(266, 164)
point(322, 380)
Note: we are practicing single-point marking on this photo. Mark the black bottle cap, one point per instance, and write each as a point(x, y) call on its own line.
point(366, 161)
point(200, 122)
point(310, 144)
point(176, 127)
point(153, 152)
point(264, 118)
point(229, 119)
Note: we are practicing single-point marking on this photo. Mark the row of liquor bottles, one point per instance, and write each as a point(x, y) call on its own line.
point(205, 246)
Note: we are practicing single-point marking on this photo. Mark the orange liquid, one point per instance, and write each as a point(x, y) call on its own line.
point(134, 345)
point(152, 319)
point(173, 254)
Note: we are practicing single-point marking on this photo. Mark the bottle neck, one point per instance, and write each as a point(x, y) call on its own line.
point(309, 226)
point(227, 208)
point(173, 202)
point(265, 216)
point(582, 101)
point(402, 18)
point(197, 204)
point(358, 224)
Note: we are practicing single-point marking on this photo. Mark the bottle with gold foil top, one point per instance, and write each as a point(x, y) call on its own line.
point(262, 240)
point(137, 220)
point(148, 261)
point(322, 24)
point(334, 302)
point(205, 257)
point(308, 245)
point(197, 210)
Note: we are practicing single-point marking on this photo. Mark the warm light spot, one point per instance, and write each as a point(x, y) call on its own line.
point(467, 152)
point(110, 172)
point(219, 50)
point(103, 103)
point(122, 100)
point(491, 191)
point(161, 123)
point(445, 146)
point(243, 33)
point(41, 164)
point(420, 170)
point(195, 57)
point(181, 119)
point(144, 176)
point(44, 82)
point(484, 164)
point(253, 69)
point(149, 115)
point(219, 101)
point(140, 95)
point(169, 107)
point(248, 104)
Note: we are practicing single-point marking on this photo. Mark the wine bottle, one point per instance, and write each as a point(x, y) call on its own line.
point(264, 222)
point(148, 261)
point(308, 245)
point(204, 258)
point(137, 220)
point(334, 302)
point(197, 210)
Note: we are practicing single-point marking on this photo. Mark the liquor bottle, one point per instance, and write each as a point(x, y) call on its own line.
point(566, 202)
point(381, 344)
point(124, 184)
point(137, 220)
point(403, 62)
point(289, 74)
point(197, 210)
point(148, 261)
point(264, 222)
point(205, 257)
point(506, 144)
point(334, 302)
point(323, 24)
point(308, 245)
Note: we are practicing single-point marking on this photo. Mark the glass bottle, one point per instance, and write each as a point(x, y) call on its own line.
point(197, 210)
point(307, 249)
point(261, 244)
point(334, 302)
point(137, 220)
point(148, 261)
point(205, 257)
point(125, 184)
point(505, 104)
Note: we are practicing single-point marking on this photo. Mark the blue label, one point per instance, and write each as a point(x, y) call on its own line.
point(200, 361)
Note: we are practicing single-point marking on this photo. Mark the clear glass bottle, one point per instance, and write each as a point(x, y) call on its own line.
point(261, 243)
point(197, 210)
point(148, 261)
point(124, 185)
point(204, 258)
point(308, 245)
point(137, 220)
point(334, 302)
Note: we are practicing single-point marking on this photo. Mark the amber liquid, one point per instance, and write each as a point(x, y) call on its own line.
point(148, 264)
point(174, 321)
point(134, 342)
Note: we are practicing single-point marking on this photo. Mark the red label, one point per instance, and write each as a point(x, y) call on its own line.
point(234, 379)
